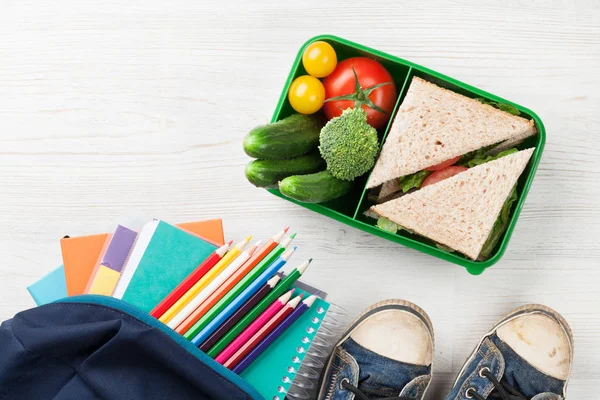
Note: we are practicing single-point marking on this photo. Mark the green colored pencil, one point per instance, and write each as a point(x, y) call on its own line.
point(256, 311)
point(238, 288)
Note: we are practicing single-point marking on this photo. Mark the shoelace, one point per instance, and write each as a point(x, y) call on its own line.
point(361, 394)
point(503, 391)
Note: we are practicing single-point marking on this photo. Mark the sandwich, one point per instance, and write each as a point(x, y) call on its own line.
point(436, 128)
point(449, 168)
point(467, 212)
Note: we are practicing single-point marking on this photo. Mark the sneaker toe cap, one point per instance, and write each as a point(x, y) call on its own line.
point(542, 341)
point(398, 335)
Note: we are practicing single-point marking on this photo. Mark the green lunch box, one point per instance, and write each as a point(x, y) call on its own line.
point(350, 208)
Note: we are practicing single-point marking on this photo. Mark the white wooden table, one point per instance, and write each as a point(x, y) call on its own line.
point(139, 108)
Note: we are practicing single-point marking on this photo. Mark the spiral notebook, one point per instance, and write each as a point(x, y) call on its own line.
point(274, 371)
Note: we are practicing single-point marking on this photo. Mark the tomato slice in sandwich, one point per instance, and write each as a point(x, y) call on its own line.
point(443, 165)
point(443, 174)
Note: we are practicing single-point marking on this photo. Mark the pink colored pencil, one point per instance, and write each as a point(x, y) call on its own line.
point(262, 333)
point(254, 327)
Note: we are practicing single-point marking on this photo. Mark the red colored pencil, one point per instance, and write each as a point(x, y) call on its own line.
point(230, 283)
point(262, 333)
point(190, 281)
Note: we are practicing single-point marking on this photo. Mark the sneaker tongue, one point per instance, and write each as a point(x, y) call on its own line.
point(521, 375)
point(381, 373)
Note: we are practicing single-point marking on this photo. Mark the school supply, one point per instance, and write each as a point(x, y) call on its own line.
point(283, 286)
point(252, 342)
point(274, 334)
point(211, 287)
point(79, 259)
point(210, 322)
point(49, 288)
point(162, 257)
point(275, 369)
point(232, 256)
point(191, 321)
point(240, 313)
point(259, 322)
point(193, 314)
point(188, 282)
point(80, 254)
point(239, 291)
point(255, 326)
point(105, 276)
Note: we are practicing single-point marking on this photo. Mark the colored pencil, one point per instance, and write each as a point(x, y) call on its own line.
point(212, 286)
point(240, 313)
point(188, 282)
point(230, 357)
point(192, 325)
point(259, 308)
point(227, 259)
point(263, 253)
point(273, 335)
point(210, 322)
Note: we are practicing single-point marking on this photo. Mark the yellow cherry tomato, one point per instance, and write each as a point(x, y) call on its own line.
point(319, 59)
point(306, 94)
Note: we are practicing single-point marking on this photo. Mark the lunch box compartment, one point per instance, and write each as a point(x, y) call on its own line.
point(345, 206)
point(350, 209)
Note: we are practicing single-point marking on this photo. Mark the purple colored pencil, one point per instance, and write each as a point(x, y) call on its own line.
point(275, 333)
point(239, 314)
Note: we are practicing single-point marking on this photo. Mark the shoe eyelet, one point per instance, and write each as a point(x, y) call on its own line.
point(468, 394)
point(482, 371)
point(344, 380)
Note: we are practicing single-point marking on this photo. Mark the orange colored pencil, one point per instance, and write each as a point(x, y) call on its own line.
point(230, 283)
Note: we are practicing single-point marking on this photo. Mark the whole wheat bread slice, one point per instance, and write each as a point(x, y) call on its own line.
point(460, 211)
point(434, 124)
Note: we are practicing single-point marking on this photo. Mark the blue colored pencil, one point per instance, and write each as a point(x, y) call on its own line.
point(273, 335)
point(243, 297)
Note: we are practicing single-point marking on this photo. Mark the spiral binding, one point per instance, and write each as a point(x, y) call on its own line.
point(305, 377)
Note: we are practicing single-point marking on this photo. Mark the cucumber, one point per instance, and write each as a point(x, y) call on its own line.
point(291, 137)
point(314, 188)
point(267, 173)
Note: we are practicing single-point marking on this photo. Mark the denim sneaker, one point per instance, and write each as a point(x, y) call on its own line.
point(527, 355)
point(385, 354)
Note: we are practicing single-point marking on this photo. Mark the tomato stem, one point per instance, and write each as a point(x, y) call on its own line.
point(360, 97)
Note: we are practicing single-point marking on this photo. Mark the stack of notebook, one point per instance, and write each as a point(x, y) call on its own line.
point(230, 300)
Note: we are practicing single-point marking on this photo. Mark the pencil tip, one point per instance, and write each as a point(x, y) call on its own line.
point(293, 235)
point(286, 296)
point(249, 238)
point(230, 242)
point(310, 300)
point(286, 229)
point(304, 266)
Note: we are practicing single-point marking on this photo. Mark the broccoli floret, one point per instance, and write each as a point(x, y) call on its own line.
point(349, 144)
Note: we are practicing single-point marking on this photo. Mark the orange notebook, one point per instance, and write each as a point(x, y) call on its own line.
point(81, 253)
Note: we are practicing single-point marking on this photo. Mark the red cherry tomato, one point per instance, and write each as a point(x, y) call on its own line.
point(443, 165)
point(342, 82)
point(443, 174)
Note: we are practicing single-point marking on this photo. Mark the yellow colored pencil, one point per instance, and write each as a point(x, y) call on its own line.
point(205, 280)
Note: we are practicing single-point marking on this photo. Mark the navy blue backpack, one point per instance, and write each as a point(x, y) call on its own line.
point(96, 347)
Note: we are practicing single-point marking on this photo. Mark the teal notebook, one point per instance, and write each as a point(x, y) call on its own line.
point(49, 288)
point(162, 257)
point(273, 372)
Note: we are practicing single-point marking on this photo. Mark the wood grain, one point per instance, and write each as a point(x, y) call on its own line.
point(139, 108)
